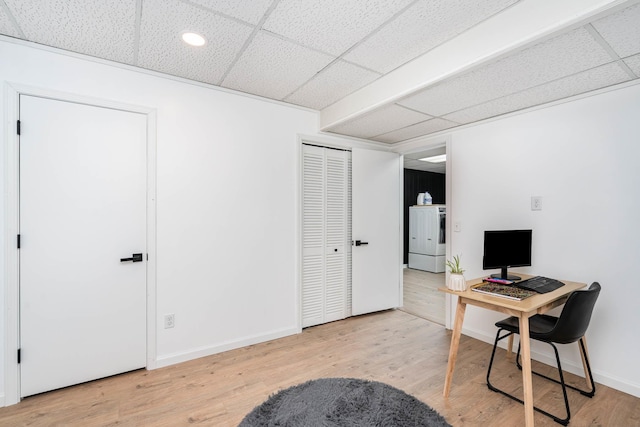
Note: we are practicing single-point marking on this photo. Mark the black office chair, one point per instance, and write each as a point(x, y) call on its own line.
point(568, 328)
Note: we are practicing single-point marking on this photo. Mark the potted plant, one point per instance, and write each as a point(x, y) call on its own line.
point(456, 278)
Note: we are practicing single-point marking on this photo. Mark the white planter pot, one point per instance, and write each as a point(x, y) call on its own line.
point(457, 282)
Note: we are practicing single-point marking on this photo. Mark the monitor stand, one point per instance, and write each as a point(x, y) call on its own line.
point(503, 275)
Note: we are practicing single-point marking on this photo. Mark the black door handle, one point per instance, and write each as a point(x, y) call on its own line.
point(361, 243)
point(134, 258)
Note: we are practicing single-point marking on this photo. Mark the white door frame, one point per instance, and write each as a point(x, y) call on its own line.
point(12, 92)
point(444, 139)
point(450, 302)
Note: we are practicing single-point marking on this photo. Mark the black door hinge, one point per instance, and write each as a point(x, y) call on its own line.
point(18, 355)
point(18, 241)
point(18, 127)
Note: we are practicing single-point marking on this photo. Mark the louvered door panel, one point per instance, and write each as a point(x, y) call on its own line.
point(336, 223)
point(313, 203)
point(313, 291)
point(313, 232)
point(335, 289)
point(326, 240)
point(336, 199)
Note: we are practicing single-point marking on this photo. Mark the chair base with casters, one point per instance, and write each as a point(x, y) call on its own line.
point(569, 327)
point(588, 393)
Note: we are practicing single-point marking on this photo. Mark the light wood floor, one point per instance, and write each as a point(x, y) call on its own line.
point(421, 296)
point(394, 347)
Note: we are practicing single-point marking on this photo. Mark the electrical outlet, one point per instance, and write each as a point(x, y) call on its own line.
point(536, 203)
point(169, 321)
point(457, 226)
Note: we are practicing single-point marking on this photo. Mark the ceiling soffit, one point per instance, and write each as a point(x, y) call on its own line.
point(585, 50)
point(388, 71)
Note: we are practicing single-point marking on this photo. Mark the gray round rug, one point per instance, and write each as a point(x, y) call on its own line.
point(343, 402)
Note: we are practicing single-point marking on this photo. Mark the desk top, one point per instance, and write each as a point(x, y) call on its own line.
point(539, 303)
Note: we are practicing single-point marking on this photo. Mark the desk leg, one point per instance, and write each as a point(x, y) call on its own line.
point(525, 345)
point(455, 342)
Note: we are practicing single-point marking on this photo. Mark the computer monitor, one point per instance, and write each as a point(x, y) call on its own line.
point(506, 248)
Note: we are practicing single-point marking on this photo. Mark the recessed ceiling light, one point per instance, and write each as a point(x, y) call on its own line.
point(193, 39)
point(435, 159)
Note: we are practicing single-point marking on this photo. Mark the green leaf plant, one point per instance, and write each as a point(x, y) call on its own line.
point(454, 266)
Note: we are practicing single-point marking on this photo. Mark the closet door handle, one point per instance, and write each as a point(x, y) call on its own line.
point(134, 258)
point(361, 243)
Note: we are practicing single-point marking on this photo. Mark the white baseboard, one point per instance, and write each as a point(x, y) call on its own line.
point(567, 365)
point(172, 359)
point(2, 405)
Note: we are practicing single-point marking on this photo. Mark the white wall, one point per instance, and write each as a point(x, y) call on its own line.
point(227, 189)
point(582, 158)
point(227, 214)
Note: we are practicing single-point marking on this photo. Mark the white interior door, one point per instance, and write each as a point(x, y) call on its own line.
point(82, 209)
point(376, 221)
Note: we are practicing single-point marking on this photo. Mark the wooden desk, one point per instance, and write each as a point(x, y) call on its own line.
point(524, 309)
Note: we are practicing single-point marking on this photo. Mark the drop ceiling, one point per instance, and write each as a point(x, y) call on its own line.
point(332, 55)
point(412, 160)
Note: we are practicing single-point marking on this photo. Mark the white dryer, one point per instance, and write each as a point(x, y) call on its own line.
point(427, 238)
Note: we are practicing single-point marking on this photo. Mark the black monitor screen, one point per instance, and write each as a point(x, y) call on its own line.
point(506, 248)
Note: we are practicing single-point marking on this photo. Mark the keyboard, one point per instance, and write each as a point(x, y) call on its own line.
point(539, 284)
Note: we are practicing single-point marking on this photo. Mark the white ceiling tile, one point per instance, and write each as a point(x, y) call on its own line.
point(555, 58)
point(331, 26)
point(162, 49)
point(622, 30)
point(412, 164)
point(633, 62)
point(246, 10)
point(426, 166)
point(413, 131)
point(380, 121)
point(6, 25)
point(93, 27)
point(410, 161)
point(419, 29)
point(333, 83)
point(274, 68)
point(426, 153)
point(596, 78)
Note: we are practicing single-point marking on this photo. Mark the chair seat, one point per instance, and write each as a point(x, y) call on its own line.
point(540, 325)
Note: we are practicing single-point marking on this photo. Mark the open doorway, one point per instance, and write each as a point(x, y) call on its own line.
point(422, 279)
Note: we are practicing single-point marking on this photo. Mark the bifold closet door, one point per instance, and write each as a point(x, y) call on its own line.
point(326, 235)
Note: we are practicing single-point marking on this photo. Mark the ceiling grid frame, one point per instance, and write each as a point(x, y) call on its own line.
point(136, 37)
point(12, 19)
point(247, 42)
point(606, 46)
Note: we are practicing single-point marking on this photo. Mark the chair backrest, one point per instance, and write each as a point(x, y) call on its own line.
point(576, 315)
